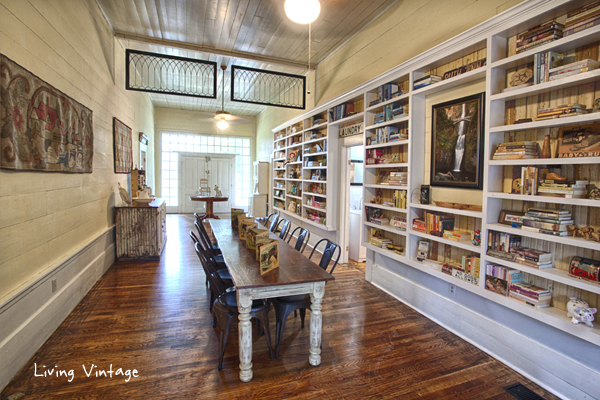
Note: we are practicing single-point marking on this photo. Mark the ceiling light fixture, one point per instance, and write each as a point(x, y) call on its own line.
point(223, 115)
point(222, 125)
point(302, 11)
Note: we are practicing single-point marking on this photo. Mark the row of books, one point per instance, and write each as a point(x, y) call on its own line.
point(389, 113)
point(582, 18)
point(565, 110)
point(539, 35)
point(574, 68)
point(434, 223)
point(572, 189)
point(516, 150)
point(316, 217)
point(503, 241)
point(426, 81)
point(341, 111)
point(386, 92)
point(398, 200)
point(388, 134)
point(531, 257)
point(544, 63)
point(393, 178)
point(546, 221)
point(509, 282)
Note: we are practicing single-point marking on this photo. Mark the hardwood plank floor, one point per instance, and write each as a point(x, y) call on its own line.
point(153, 317)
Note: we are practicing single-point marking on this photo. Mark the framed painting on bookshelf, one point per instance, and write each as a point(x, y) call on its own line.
point(512, 218)
point(457, 143)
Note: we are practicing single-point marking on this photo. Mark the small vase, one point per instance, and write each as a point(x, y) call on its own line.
point(546, 148)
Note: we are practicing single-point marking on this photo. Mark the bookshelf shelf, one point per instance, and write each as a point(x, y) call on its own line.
point(548, 161)
point(395, 165)
point(388, 123)
point(385, 252)
point(550, 123)
point(315, 154)
point(294, 180)
point(390, 101)
point(555, 274)
point(570, 241)
point(468, 213)
point(315, 167)
point(316, 127)
point(459, 80)
point(387, 144)
point(460, 245)
point(315, 140)
point(314, 208)
point(545, 199)
point(346, 120)
point(377, 186)
point(382, 207)
point(564, 83)
point(387, 228)
point(294, 197)
point(314, 194)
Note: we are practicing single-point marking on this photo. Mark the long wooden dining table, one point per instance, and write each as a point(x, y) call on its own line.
point(296, 275)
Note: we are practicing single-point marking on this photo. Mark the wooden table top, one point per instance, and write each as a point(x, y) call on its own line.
point(208, 198)
point(244, 268)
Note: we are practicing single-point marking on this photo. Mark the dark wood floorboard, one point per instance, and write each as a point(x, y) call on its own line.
point(153, 317)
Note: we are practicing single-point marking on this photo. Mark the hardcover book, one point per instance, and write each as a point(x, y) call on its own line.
point(253, 234)
point(245, 224)
point(268, 255)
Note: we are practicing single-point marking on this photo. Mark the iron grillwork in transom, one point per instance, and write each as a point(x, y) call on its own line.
point(249, 85)
point(159, 73)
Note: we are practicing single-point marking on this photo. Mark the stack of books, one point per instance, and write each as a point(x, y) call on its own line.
point(319, 204)
point(379, 118)
point(393, 111)
point(398, 136)
point(319, 219)
point(426, 81)
point(539, 35)
point(458, 236)
point(582, 18)
point(398, 222)
point(565, 189)
point(550, 222)
point(530, 295)
point(516, 151)
point(419, 225)
point(498, 279)
point(380, 242)
point(380, 221)
point(532, 257)
point(388, 134)
point(566, 110)
point(436, 223)
point(385, 93)
point(574, 68)
point(501, 241)
point(398, 178)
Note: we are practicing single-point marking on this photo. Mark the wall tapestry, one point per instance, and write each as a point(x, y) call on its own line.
point(457, 143)
point(42, 129)
point(123, 147)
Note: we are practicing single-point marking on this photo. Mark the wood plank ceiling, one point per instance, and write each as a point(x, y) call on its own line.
point(215, 28)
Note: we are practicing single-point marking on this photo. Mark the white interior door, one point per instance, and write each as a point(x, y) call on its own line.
point(192, 168)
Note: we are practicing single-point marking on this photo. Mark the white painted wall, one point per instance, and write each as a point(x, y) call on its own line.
point(48, 221)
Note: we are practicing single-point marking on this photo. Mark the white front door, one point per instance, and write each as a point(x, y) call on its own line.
point(192, 168)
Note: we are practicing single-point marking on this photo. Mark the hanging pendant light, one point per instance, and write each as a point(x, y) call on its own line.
point(302, 11)
point(223, 115)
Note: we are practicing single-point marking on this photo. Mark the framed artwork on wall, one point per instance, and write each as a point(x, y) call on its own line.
point(123, 147)
point(457, 143)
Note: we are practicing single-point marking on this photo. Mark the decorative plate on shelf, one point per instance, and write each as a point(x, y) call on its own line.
point(143, 201)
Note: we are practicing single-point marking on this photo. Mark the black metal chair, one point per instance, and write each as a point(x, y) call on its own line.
point(221, 270)
point(202, 231)
point(285, 305)
point(274, 222)
point(272, 217)
point(225, 308)
point(283, 227)
point(302, 240)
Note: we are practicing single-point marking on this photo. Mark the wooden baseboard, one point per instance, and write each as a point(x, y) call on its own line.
point(547, 366)
point(30, 316)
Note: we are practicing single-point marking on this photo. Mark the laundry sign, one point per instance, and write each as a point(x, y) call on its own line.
point(355, 128)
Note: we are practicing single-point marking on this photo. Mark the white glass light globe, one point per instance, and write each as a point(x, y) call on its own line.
point(302, 11)
point(222, 125)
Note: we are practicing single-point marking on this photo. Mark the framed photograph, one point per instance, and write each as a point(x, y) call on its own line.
point(512, 218)
point(457, 143)
point(122, 147)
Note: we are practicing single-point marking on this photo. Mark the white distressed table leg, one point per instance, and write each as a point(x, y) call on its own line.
point(316, 323)
point(244, 300)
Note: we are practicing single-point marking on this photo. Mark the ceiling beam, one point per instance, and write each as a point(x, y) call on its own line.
point(212, 50)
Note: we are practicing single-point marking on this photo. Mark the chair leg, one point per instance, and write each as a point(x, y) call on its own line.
point(258, 327)
point(263, 316)
point(223, 335)
point(280, 325)
point(302, 315)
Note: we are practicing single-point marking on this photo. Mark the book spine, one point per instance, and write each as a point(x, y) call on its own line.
point(534, 44)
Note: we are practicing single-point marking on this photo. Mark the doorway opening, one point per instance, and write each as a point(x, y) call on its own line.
point(355, 253)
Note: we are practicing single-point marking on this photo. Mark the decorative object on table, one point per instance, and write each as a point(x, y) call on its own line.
point(553, 176)
point(423, 250)
point(268, 255)
point(143, 197)
point(457, 143)
point(124, 194)
point(477, 239)
point(519, 77)
point(395, 248)
point(596, 106)
point(585, 268)
point(594, 193)
point(43, 129)
point(244, 225)
point(425, 196)
point(580, 312)
point(255, 234)
point(123, 149)
point(458, 206)
point(235, 212)
point(579, 141)
point(512, 218)
point(218, 192)
point(204, 189)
